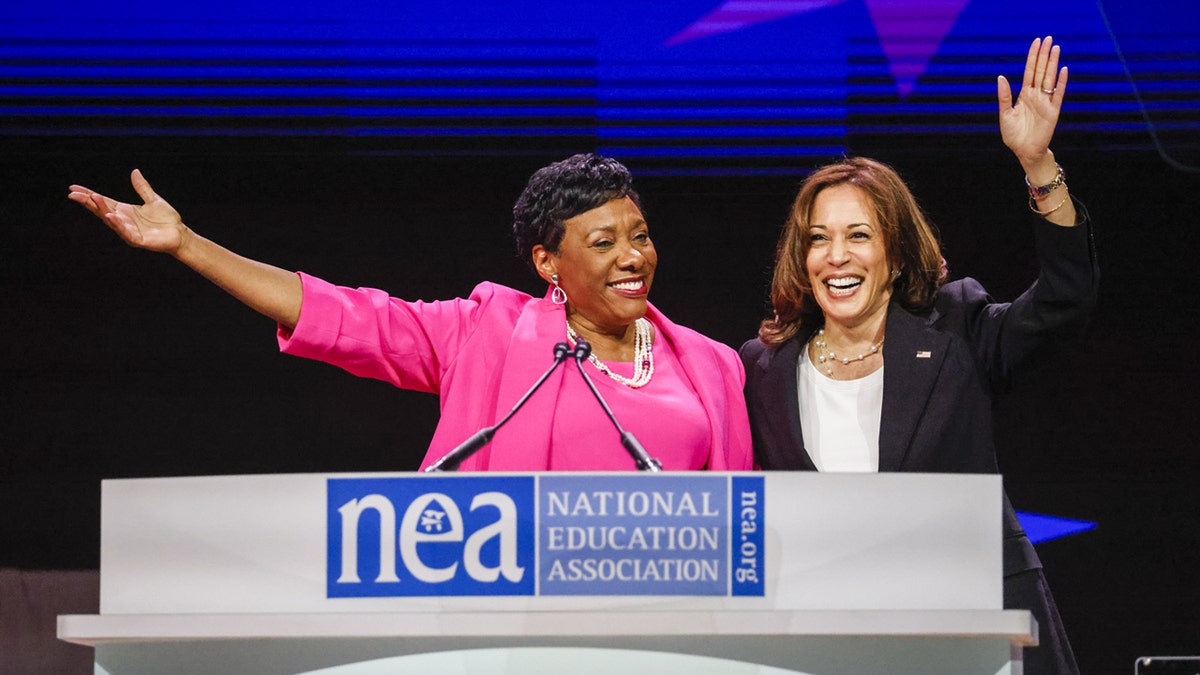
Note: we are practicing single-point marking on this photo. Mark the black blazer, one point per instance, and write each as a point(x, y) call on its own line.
point(942, 369)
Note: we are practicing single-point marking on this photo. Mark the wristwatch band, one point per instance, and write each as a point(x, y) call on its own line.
point(1041, 191)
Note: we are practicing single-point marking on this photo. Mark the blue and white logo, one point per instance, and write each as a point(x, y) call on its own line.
point(554, 534)
point(430, 536)
point(637, 535)
point(749, 507)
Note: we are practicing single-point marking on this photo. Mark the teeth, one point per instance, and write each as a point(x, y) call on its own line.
point(628, 285)
point(845, 282)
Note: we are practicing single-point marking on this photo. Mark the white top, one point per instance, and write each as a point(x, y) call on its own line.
point(840, 418)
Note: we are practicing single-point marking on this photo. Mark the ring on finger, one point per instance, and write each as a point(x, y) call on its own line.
point(1047, 91)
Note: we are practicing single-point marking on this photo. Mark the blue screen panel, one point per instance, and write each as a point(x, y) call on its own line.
point(733, 85)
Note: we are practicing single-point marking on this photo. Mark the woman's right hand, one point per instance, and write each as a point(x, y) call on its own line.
point(155, 225)
point(1027, 126)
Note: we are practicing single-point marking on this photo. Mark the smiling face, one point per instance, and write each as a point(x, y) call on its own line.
point(605, 263)
point(847, 261)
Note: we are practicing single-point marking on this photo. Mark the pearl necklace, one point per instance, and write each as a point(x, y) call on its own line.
point(827, 358)
point(643, 355)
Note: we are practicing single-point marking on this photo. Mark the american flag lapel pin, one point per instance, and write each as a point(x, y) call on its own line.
point(924, 354)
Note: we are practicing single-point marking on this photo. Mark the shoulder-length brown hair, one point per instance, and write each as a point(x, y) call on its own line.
point(909, 239)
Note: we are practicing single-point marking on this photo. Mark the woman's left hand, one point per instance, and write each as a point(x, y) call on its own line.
point(1028, 126)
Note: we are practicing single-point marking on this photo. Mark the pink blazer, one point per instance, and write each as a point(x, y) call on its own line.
point(480, 354)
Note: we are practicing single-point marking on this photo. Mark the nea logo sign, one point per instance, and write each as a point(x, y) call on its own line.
point(425, 535)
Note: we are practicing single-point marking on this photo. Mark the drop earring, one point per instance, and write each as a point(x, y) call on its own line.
point(558, 296)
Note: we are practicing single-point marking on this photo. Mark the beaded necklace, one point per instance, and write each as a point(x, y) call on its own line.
point(826, 357)
point(643, 355)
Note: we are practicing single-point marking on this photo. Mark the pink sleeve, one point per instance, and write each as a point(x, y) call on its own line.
point(370, 334)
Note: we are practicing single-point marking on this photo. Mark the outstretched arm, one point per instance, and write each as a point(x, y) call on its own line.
point(1028, 126)
point(157, 226)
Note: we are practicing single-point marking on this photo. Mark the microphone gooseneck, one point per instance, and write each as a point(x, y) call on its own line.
point(641, 458)
point(451, 460)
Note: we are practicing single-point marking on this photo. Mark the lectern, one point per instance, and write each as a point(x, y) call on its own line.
point(347, 574)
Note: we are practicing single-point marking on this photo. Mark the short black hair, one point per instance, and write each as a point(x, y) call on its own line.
point(561, 191)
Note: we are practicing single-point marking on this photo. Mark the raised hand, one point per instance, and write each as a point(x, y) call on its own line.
point(155, 225)
point(1028, 126)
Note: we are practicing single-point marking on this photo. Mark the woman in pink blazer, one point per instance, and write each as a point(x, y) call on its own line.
point(580, 227)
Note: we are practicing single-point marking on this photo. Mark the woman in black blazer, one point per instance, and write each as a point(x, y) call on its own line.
point(860, 283)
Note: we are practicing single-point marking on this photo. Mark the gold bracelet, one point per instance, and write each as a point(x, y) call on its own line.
point(1033, 205)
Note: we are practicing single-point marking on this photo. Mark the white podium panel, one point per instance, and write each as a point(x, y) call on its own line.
point(742, 572)
point(817, 643)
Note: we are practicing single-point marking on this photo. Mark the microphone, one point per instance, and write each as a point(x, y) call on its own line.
point(451, 460)
point(641, 458)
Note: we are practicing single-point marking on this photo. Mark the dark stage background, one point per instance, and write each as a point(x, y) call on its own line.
point(117, 363)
